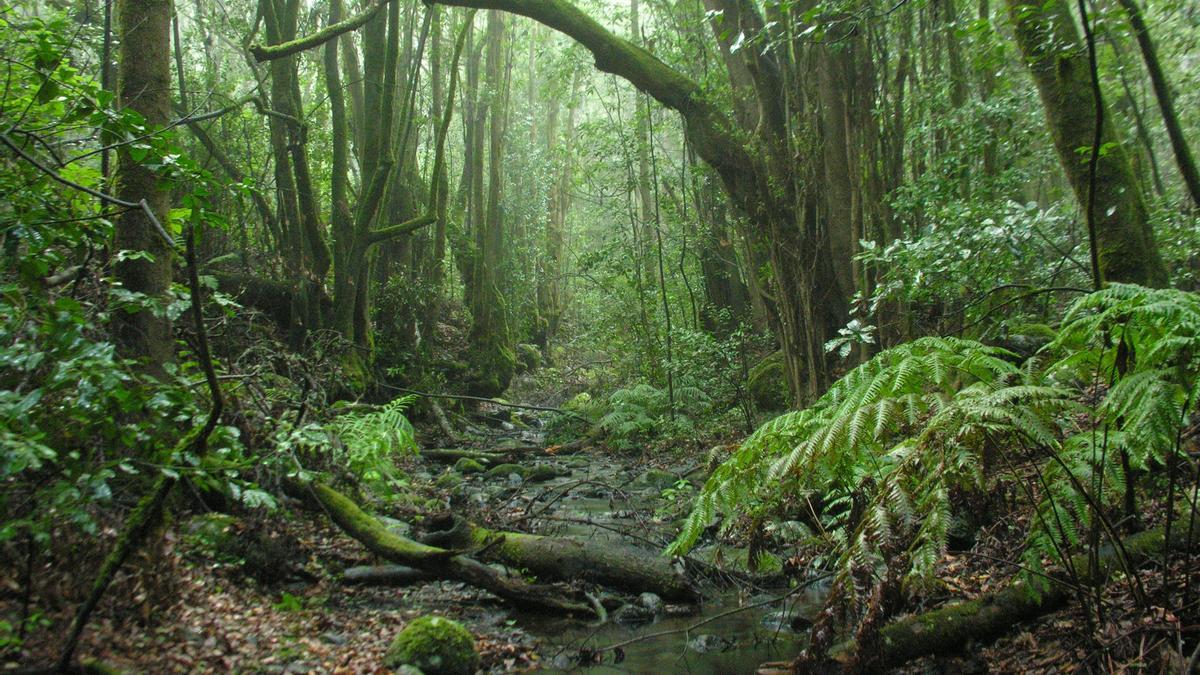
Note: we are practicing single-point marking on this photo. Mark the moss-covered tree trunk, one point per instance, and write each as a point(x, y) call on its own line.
point(1058, 61)
point(144, 74)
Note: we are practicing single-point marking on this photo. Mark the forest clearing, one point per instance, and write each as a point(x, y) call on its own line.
point(610, 336)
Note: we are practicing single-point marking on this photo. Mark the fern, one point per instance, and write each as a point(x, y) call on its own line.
point(373, 440)
point(896, 435)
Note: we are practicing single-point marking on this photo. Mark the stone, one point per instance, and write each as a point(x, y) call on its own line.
point(656, 478)
point(467, 465)
point(436, 645)
point(651, 602)
point(705, 643)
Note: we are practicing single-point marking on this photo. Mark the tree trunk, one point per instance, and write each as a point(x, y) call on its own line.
point(144, 74)
point(492, 359)
point(446, 564)
point(948, 629)
point(568, 559)
point(1166, 101)
point(1051, 45)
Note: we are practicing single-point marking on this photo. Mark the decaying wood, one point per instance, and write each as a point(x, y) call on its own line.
point(602, 562)
point(441, 562)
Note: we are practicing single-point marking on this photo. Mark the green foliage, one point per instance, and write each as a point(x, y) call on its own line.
point(642, 412)
point(889, 442)
point(372, 441)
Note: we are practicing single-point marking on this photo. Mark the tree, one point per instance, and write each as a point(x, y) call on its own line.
point(1166, 100)
point(1056, 58)
point(763, 179)
point(144, 262)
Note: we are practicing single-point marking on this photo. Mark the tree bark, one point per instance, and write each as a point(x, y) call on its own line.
point(563, 558)
point(1051, 45)
point(144, 74)
point(446, 564)
point(1166, 101)
point(947, 629)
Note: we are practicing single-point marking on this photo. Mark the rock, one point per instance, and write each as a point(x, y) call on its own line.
point(450, 479)
point(633, 615)
point(436, 645)
point(705, 643)
point(409, 670)
point(515, 479)
point(563, 662)
point(767, 384)
point(656, 478)
point(467, 465)
point(651, 602)
point(505, 469)
point(543, 472)
point(396, 527)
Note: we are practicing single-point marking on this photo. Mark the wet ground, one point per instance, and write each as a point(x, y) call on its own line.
point(627, 500)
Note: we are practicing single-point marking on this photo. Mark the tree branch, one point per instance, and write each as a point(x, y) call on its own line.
point(709, 129)
point(270, 52)
point(393, 231)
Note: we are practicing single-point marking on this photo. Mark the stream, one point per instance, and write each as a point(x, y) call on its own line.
point(624, 500)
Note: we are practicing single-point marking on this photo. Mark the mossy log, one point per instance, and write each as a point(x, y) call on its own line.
point(947, 629)
point(601, 562)
point(443, 563)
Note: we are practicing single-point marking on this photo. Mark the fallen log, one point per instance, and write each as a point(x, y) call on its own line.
point(947, 629)
point(384, 575)
point(440, 562)
point(450, 456)
point(602, 562)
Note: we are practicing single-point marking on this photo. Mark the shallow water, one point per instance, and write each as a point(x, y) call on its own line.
point(740, 641)
point(730, 642)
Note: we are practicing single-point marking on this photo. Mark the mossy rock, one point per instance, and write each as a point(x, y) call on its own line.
point(467, 465)
point(768, 384)
point(529, 357)
point(505, 469)
point(450, 479)
point(436, 645)
point(656, 478)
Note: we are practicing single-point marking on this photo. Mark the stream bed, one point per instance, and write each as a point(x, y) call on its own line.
point(598, 496)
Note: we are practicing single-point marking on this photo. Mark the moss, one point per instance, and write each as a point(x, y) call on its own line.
point(492, 364)
point(657, 479)
point(768, 384)
point(448, 480)
point(436, 645)
point(467, 465)
point(505, 469)
point(529, 357)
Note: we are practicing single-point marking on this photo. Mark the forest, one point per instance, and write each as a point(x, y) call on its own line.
point(618, 336)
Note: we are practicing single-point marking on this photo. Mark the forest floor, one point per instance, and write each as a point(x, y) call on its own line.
point(186, 606)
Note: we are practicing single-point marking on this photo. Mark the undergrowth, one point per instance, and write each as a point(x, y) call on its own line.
point(876, 459)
